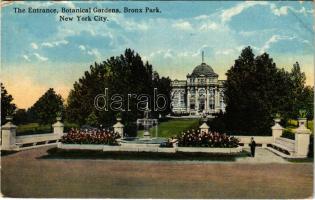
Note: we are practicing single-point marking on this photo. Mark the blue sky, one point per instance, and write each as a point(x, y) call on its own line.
point(39, 52)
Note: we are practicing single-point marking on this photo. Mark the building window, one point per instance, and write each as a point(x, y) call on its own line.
point(192, 106)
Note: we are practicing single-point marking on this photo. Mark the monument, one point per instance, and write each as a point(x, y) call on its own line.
point(147, 123)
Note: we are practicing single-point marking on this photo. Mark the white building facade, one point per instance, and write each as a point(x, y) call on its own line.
point(201, 93)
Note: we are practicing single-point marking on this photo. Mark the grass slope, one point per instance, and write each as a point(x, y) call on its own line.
point(172, 127)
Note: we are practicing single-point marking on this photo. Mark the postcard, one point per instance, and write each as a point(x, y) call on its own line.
point(157, 99)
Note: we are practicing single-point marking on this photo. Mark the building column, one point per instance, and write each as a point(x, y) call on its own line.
point(207, 99)
point(196, 100)
point(179, 98)
point(217, 100)
point(188, 100)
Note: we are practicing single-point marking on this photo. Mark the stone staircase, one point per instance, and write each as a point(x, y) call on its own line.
point(283, 147)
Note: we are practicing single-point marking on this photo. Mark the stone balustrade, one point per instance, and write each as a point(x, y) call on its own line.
point(11, 142)
point(260, 140)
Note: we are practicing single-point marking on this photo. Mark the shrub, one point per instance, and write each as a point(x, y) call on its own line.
point(90, 136)
point(194, 138)
point(287, 133)
point(311, 147)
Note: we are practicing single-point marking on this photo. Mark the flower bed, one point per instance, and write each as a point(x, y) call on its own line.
point(194, 138)
point(92, 136)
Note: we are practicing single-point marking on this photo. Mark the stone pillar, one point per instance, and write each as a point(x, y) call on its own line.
point(58, 126)
point(204, 128)
point(8, 135)
point(302, 138)
point(119, 127)
point(277, 129)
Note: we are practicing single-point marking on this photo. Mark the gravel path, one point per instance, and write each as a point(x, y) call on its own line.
point(25, 174)
point(262, 156)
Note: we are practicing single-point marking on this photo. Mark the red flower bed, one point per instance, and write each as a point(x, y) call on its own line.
point(93, 136)
point(194, 138)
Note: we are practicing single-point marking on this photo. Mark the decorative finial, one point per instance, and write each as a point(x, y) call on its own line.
point(203, 57)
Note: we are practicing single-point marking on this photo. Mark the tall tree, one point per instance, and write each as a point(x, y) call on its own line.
point(297, 88)
point(125, 75)
point(21, 117)
point(47, 106)
point(7, 107)
point(307, 97)
point(254, 91)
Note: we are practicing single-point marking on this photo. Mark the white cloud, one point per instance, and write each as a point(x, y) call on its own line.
point(283, 10)
point(39, 57)
point(182, 25)
point(132, 25)
point(82, 47)
point(183, 54)
point(168, 54)
point(47, 44)
point(34, 45)
point(200, 17)
point(95, 53)
point(209, 26)
point(225, 52)
point(227, 14)
point(54, 44)
point(274, 39)
point(26, 58)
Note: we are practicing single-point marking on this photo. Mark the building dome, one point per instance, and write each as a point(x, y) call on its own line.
point(203, 70)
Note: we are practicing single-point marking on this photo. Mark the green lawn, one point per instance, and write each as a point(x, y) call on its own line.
point(36, 128)
point(293, 124)
point(172, 127)
point(310, 124)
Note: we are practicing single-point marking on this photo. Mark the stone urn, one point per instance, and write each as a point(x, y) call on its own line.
point(277, 120)
point(302, 122)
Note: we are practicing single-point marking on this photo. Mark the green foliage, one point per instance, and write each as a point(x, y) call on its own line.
point(21, 117)
point(123, 75)
point(311, 147)
point(277, 116)
point(302, 113)
point(36, 128)
point(7, 107)
point(256, 90)
point(288, 133)
point(310, 125)
point(46, 108)
point(294, 124)
point(307, 101)
point(33, 128)
point(92, 119)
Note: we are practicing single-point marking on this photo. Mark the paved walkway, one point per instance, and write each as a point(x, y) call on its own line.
point(261, 156)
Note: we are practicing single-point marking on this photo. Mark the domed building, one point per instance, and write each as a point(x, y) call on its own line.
point(201, 93)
